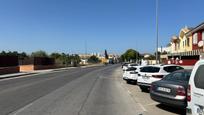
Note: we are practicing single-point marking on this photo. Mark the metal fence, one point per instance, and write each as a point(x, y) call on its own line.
point(37, 61)
point(8, 61)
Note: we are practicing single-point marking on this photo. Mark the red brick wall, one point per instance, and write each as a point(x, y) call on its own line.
point(195, 46)
point(185, 62)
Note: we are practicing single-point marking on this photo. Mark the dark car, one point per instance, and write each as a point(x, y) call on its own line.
point(172, 89)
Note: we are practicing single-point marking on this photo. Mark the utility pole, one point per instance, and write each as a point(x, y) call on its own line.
point(157, 31)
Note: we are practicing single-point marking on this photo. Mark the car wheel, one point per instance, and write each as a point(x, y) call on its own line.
point(143, 89)
point(128, 81)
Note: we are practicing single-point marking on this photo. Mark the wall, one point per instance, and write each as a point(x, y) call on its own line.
point(195, 46)
point(26, 68)
point(9, 70)
point(29, 68)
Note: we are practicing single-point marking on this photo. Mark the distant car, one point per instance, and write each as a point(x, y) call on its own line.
point(124, 66)
point(172, 89)
point(152, 73)
point(127, 73)
point(131, 75)
point(195, 90)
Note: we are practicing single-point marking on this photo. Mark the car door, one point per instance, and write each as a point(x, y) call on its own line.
point(198, 91)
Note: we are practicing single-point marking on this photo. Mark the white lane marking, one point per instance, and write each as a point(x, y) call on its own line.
point(22, 109)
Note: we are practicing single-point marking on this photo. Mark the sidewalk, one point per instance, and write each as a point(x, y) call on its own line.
point(15, 75)
point(42, 71)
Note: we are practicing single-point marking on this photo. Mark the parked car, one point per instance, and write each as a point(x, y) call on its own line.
point(128, 72)
point(131, 76)
point(152, 73)
point(133, 65)
point(125, 66)
point(172, 89)
point(195, 90)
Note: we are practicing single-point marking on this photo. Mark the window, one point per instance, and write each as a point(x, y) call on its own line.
point(195, 38)
point(145, 69)
point(178, 76)
point(150, 69)
point(188, 42)
point(203, 35)
point(199, 78)
point(170, 69)
point(155, 69)
point(183, 44)
point(168, 77)
point(131, 69)
point(133, 64)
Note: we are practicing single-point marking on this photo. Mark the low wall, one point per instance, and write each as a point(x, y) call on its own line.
point(27, 68)
point(184, 62)
point(9, 70)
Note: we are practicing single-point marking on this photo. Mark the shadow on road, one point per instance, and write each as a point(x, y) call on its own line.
point(172, 109)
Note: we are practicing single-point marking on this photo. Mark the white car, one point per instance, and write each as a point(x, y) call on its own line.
point(152, 73)
point(133, 65)
point(128, 72)
point(195, 95)
point(131, 74)
point(125, 66)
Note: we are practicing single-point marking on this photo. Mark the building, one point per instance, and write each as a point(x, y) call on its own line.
point(187, 47)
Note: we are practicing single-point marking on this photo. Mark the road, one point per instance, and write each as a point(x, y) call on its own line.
point(79, 91)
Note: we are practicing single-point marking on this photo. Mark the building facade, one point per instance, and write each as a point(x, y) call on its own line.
point(187, 47)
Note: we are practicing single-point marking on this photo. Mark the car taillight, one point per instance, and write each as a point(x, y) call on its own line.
point(152, 87)
point(181, 91)
point(158, 76)
point(189, 93)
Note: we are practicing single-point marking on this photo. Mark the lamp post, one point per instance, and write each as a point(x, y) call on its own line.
point(157, 32)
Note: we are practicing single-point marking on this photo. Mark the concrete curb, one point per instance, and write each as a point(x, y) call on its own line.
point(15, 75)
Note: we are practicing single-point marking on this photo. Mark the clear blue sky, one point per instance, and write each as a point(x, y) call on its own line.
point(115, 25)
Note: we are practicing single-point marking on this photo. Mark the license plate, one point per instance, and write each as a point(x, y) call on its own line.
point(163, 89)
point(145, 77)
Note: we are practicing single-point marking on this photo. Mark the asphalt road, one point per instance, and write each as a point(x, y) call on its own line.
point(79, 91)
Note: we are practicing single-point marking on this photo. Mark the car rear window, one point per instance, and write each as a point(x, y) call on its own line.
point(178, 76)
point(170, 69)
point(199, 78)
point(150, 69)
point(131, 69)
point(133, 64)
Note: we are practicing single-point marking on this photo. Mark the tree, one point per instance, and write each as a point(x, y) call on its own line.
point(14, 53)
point(106, 54)
point(55, 55)
point(39, 53)
point(93, 59)
point(130, 55)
